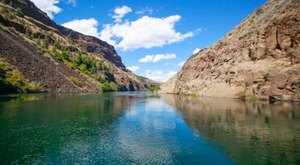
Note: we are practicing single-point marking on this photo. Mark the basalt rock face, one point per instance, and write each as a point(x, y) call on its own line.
point(64, 60)
point(258, 59)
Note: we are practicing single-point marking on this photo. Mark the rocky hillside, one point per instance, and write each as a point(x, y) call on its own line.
point(258, 59)
point(36, 54)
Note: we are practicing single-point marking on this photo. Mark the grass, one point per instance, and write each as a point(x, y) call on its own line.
point(254, 98)
point(75, 81)
point(109, 87)
point(154, 88)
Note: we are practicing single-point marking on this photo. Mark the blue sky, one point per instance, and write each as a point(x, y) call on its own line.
point(154, 38)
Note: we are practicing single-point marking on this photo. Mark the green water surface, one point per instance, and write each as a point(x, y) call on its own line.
point(140, 128)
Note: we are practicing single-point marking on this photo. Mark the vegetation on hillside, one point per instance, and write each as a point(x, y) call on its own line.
point(154, 88)
point(12, 80)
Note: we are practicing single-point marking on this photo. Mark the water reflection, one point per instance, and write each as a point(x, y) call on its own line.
point(249, 133)
point(117, 128)
point(139, 128)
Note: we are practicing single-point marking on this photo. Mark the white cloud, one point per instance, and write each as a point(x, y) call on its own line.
point(72, 2)
point(144, 11)
point(48, 6)
point(157, 57)
point(106, 35)
point(120, 12)
point(196, 50)
point(147, 58)
point(159, 75)
point(133, 68)
point(84, 26)
point(145, 32)
point(181, 63)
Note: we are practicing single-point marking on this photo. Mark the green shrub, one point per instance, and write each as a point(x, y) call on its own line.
point(75, 81)
point(2, 10)
point(19, 10)
point(83, 68)
point(13, 79)
point(108, 87)
point(16, 79)
point(254, 98)
point(101, 79)
point(32, 36)
point(154, 88)
point(2, 69)
point(8, 16)
point(39, 41)
point(27, 32)
point(51, 33)
point(46, 42)
point(37, 86)
point(91, 63)
point(22, 22)
point(63, 56)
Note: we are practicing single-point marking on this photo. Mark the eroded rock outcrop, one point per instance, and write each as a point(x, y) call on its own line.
point(258, 59)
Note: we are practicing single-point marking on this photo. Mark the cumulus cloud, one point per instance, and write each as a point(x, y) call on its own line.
point(147, 58)
point(48, 6)
point(145, 32)
point(84, 26)
point(159, 75)
point(120, 12)
point(181, 63)
point(157, 57)
point(196, 50)
point(133, 68)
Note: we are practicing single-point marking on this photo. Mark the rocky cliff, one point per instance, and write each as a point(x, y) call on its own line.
point(36, 54)
point(258, 59)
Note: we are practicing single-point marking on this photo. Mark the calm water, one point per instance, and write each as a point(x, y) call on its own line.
point(137, 128)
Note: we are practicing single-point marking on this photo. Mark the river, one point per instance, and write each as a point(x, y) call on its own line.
point(141, 128)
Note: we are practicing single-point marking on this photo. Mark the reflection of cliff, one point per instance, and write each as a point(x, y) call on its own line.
point(249, 133)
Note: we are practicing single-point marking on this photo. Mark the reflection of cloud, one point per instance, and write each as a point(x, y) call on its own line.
point(157, 105)
point(131, 113)
point(160, 124)
point(143, 153)
point(141, 132)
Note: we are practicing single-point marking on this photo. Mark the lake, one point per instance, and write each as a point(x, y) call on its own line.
point(141, 128)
